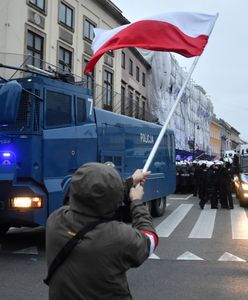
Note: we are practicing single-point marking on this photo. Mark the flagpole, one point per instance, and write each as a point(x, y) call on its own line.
point(162, 132)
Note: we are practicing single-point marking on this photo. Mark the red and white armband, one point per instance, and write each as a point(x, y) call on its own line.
point(153, 240)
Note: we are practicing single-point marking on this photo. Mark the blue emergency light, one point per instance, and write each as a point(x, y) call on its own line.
point(6, 154)
point(7, 158)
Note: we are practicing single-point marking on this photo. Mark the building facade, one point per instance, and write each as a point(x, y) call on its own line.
point(235, 139)
point(134, 90)
point(191, 118)
point(229, 137)
point(138, 83)
point(215, 138)
point(61, 33)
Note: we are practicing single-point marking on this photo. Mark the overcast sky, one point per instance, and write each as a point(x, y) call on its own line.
point(222, 69)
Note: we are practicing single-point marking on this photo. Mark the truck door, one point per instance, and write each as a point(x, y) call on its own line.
point(59, 144)
point(86, 135)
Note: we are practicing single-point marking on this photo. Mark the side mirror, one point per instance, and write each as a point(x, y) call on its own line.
point(10, 96)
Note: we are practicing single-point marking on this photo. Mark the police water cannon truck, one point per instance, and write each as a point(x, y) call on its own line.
point(49, 127)
point(241, 174)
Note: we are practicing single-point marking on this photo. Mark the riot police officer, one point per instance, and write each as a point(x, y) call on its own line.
point(226, 176)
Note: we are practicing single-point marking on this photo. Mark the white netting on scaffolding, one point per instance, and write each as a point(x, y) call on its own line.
point(191, 118)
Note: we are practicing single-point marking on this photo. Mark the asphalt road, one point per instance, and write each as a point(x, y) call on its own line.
point(202, 254)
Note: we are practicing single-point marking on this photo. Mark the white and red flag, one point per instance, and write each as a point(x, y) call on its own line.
point(182, 32)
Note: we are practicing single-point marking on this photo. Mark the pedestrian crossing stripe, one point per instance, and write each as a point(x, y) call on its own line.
point(204, 226)
point(189, 256)
point(30, 250)
point(239, 223)
point(230, 257)
point(166, 227)
point(175, 198)
point(180, 198)
point(191, 195)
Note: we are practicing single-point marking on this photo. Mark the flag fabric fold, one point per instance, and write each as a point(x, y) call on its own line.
point(184, 33)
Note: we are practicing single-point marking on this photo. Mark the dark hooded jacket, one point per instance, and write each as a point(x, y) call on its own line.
point(96, 268)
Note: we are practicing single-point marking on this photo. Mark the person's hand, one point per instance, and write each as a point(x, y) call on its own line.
point(136, 193)
point(140, 177)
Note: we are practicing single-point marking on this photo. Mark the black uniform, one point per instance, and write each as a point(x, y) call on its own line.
point(196, 180)
point(213, 186)
point(226, 175)
point(203, 187)
point(184, 179)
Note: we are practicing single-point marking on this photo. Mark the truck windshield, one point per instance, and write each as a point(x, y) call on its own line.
point(28, 116)
point(244, 163)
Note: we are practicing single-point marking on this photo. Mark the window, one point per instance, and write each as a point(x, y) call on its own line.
point(36, 110)
point(130, 100)
point(111, 53)
point(81, 111)
point(89, 30)
point(137, 74)
point(25, 114)
point(123, 60)
point(89, 79)
point(35, 49)
point(123, 96)
point(143, 110)
point(143, 79)
point(108, 90)
point(137, 107)
point(58, 109)
point(66, 15)
point(24, 117)
point(130, 67)
point(65, 59)
point(39, 3)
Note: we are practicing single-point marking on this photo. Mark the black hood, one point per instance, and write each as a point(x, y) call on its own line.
point(96, 190)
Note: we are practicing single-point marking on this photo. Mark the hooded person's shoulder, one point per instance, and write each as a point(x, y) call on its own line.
point(58, 216)
point(122, 233)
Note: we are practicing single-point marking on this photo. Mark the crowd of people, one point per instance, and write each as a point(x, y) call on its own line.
point(211, 181)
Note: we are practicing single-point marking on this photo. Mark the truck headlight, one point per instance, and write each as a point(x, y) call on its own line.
point(244, 186)
point(26, 202)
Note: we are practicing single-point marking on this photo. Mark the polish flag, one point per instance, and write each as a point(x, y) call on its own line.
point(182, 32)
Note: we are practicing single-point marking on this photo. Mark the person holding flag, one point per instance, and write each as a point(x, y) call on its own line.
point(93, 265)
point(104, 249)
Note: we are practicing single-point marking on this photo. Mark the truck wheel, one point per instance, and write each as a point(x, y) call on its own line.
point(3, 230)
point(158, 207)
